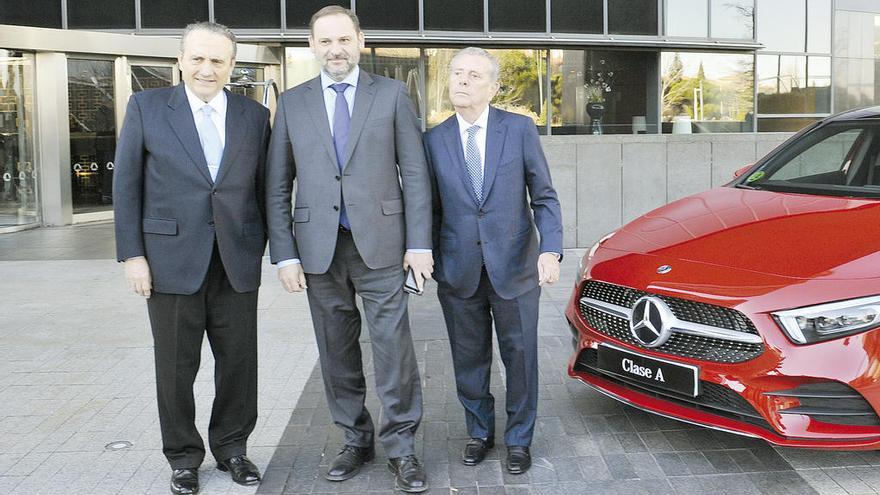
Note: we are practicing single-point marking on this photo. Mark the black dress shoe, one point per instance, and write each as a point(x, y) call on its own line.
point(185, 481)
point(519, 459)
point(409, 475)
point(348, 462)
point(241, 469)
point(475, 450)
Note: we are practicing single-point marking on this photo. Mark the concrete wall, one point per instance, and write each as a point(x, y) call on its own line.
point(606, 181)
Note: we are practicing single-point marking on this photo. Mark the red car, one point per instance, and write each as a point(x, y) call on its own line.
point(751, 308)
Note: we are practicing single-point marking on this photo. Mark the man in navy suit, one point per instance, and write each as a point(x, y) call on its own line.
point(486, 166)
point(190, 215)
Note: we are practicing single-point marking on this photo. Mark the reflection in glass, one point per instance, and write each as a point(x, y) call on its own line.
point(150, 77)
point(396, 63)
point(517, 15)
point(388, 14)
point(38, 13)
point(18, 174)
point(620, 81)
point(782, 25)
point(246, 74)
point(172, 13)
point(707, 92)
point(819, 26)
point(576, 16)
point(101, 14)
point(687, 18)
point(92, 122)
point(734, 19)
point(856, 83)
point(523, 85)
point(787, 124)
point(632, 17)
point(453, 15)
point(258, 14)
point(791, 84)
point(299, 12)
point(856, 34)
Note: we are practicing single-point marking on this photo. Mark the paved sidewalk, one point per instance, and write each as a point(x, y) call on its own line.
point(76, 379)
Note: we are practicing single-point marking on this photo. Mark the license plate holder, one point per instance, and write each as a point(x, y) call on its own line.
point(649, 371)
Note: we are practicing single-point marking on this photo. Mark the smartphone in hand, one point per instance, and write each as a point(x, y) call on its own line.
point(410, 285)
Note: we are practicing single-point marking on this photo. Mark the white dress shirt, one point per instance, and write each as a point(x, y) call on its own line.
point(218, 117)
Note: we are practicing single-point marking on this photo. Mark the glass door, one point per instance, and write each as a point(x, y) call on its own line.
point(18, 173)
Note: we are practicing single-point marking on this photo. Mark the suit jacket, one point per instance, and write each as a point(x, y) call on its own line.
point(500, 231)
point(166, 206)
point(384, 180)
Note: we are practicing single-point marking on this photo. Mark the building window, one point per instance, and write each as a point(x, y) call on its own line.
point(92, 133)
point(258, 14)
point(687, 18)
point(577, 16)
point(522, 77)
point(517, 15)
point(101, 14)
point(388, 14)
point(453, 15)
point(707, 92)
point(857, 59)
point(150, 77)
point(299, 12)
point(172, 14)
point(38, 13)
point(782, 25)
point(819, 26)
point(18, 173)
point(396, 63)
point(733, 19)
point(794, 84)
point(632, 17)
point(621, 82)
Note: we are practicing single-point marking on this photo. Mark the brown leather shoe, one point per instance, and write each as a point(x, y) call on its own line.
point(348, 462)
point(475, 450)
point(242, 470)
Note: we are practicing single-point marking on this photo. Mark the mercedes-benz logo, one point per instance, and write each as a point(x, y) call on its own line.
point(648, 323)
point(664, 269)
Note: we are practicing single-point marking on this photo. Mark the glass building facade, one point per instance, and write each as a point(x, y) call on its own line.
point(573, 66)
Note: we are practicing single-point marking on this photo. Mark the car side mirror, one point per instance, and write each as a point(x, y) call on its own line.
point(742, 170)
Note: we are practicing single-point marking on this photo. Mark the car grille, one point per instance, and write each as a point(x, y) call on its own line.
point(713, 398)
point(679, 344)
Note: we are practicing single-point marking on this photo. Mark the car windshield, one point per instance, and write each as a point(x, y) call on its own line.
point(840, 159)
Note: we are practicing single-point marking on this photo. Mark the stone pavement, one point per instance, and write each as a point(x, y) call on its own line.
point(76, 380)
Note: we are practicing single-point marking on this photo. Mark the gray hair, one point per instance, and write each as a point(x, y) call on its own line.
point(211, 27)
point(494, 69)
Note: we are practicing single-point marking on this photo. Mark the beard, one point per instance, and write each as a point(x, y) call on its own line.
point(339, 72)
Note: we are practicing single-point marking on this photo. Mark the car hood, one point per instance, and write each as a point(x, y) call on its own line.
point(786, 235)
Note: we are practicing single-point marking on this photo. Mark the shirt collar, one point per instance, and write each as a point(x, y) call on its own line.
point(218, 102)
point(482, 121)
point(351, 79)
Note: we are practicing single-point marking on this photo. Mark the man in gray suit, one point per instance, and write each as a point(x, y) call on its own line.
point(351, 141)
point(189, 204)
point(492, 189)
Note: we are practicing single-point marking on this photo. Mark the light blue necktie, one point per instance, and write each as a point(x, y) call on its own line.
point(341, 126)
point(474, 163)
point(210, 138)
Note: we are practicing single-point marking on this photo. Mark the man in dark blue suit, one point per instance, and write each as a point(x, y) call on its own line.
point(491, 186)
point(190, 215)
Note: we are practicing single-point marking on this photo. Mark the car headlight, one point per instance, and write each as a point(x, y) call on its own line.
point(830, 321)
point(585, 260)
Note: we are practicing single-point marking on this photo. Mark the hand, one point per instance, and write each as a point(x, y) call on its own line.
point(422, 265)
point(292, 277)
point(137, 274)
point(548, 269)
